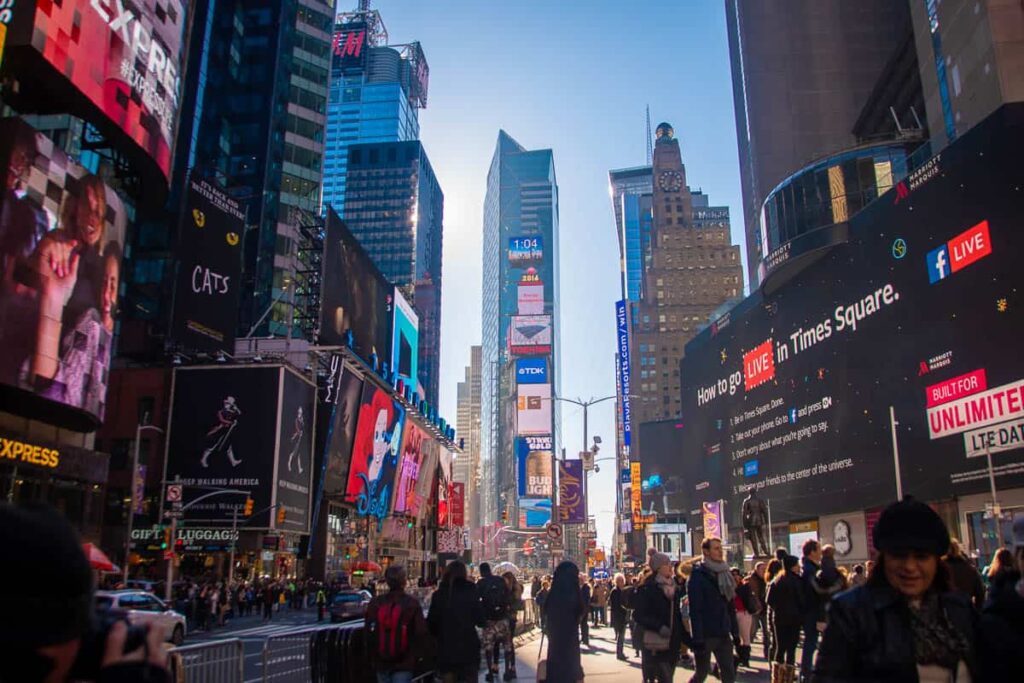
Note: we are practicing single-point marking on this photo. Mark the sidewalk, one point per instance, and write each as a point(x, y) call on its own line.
point(599, 662)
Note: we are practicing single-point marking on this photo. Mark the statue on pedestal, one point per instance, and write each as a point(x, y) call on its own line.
point(755, 521)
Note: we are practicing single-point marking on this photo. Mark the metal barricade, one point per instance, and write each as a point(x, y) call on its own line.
point(220, 661)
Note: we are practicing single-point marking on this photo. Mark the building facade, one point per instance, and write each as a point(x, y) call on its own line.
point(395, 208)
point(467, 466)
point(631, 190)
point(520, 331)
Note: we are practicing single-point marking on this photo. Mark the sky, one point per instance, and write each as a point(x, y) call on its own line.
point(573, 76)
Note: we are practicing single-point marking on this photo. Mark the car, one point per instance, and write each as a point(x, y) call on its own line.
point(349, 604)
point(143, 607)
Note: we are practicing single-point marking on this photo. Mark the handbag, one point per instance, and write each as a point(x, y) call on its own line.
point(653, 640)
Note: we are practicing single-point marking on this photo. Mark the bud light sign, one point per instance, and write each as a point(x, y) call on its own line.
point(532, 371)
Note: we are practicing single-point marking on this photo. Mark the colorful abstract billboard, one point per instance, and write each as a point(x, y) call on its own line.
point(409, 468)
point(534, 466)
point(62, 233)
point(530, 335)
point(572, 502)
point(533, 409)
point(375, 452)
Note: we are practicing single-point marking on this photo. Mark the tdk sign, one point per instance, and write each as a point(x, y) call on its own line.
point(531, 371)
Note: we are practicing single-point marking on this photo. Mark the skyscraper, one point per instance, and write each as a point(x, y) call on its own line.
point(632, 190)
point(395, 208)
point(376, 91)
point(467, 425)
point(520, 356)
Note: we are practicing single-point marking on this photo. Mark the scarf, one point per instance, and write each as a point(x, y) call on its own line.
point(667, 585)
point(726, 584)
point(936, 641)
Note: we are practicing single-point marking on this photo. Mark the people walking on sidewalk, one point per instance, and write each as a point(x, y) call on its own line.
point(394, 627)
point(747, 609)
point(712, 591)
point(585, 596)
point(455, 613)
point(814, 604)
point(540, 598)
point(599, 603)
point(1001, 632)
point(656, 607)
point(496, 601)
point(904, 624)
point(619, 615)
point(757, 583)
point(964, 575)
point(516, 605)
point(785, 600)
point(565, 611)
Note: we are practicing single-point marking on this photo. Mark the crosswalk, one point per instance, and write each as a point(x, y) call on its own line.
point(258, 631)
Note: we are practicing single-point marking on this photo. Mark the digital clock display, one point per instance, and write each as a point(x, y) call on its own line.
point(525, 249)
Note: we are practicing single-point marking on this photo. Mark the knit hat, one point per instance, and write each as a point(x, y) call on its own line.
point(659, 560)
point(48, 578)
point(789, 561)
point(910, 524)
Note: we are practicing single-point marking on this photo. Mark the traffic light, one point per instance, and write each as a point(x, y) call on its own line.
point(166, 543)
point(280, 516)
point(247, 510)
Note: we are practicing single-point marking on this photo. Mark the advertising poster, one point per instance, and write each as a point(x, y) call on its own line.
point(636, 501)
point(712, 519)
point(457, 503)
point(210, 264)
point(427, 479)
point(572, 505)
point(533, 409)
point(124, 57)
point(356, 298)
point(449, 541)
point(406, 501)
point(625, 370)
point(350, 47)
point(916, 312)
point(525, 249)
point(532, 371)
point(342, 400)
point(530, 335)
point(62, 236)
point(375, 452)
point(530, 297)
point(295, 452)
point(534, 466)
point(223, 433)
point(405, 340)
point(664, 490)
point(534, 513)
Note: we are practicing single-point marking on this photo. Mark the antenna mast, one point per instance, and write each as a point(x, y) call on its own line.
point(650, 148)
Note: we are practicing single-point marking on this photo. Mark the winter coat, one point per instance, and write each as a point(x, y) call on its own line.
point(815, 598)
point(869, 637)
point(417, 635)
point(966, 579)
point(585, 594)
point(711, 615)
point(455, 613)
point(653, 610)
point(600, 598)
point(1001, 633)
point(563, 632)
point(619, 613)
point(785, 598)
point(760, 588)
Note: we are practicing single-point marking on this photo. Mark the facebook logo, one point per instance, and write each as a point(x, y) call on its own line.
point(938, 264)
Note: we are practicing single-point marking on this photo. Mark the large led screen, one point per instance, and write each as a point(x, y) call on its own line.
point(791, 393)
point(342, 399)
point(405, 340)
point(407, 502)
point(530, 335)
point(122, 56)
point(371, 475)
point(533, 409)
point(356, 298)
point(295, 452)
point(663, 491)
point(534, 466)
point(61, 239)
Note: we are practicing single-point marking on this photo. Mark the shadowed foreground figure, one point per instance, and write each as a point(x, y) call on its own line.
point(564, 610)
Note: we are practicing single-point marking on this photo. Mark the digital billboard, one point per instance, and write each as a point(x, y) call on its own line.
point(534, 465)
point(427, 478)
point(525, 249)
point(625, 370)
point(371, 475)
point(62, 232)
point(350, 47)
point(532, 371)
point(356, 298)
point(405, 340)
point(295, 452)
point(224, 433)
point(530, 297)
point(122, 59)
point(530, 335)
point(533, 409)
point(413, 454)
point(210, 266)
point(662, 487)
point(534, 513)
point(916, 312)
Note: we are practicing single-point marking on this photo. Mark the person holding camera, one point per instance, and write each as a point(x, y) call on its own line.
point(52, 632)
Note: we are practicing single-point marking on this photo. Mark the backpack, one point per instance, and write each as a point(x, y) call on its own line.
point(393, 625)
point(495, 598)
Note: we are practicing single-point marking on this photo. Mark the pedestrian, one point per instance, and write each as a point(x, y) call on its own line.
point(635, 631)
point(964, 576)
point(269, 598)
point(455, 613)
point(785, 598)
point(1001, 629)
point(904, 624)
point(619, 615)
point(585, 596)
point(683, 571)
point(395, 624)
point(535, 586)
point(496, 600)
point(814, 604)
point(746, 608)
point(601, 591)
point(321, 603)
point(565, 611)
point(1000, 570)
point(712, 591)
point(759, 587)
point(860, 577)
point(539, 598)
point(517, 604)
point(656, 606)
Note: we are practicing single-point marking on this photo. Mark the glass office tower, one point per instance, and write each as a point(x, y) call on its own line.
point(520, 325)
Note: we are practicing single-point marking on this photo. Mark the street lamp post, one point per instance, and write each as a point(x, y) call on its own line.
point(131, 504)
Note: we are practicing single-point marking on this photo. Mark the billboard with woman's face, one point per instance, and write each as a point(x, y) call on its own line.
point(61, 239)
point(375, 452)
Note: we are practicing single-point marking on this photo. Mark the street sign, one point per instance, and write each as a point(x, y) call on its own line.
point(173, 514)
point(588, 534)
point(554, 531)
point(174, 493)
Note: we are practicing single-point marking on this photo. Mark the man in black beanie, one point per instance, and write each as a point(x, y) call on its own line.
point(48, 608)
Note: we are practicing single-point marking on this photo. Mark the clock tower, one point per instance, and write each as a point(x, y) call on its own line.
point(673, 205)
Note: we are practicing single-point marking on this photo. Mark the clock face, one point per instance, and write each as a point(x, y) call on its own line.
point(670, 181)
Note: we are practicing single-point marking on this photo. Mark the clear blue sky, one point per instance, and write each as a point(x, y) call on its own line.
point(572, 75)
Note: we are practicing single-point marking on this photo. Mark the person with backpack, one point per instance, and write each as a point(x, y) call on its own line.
point(394, 624)
point(496, 600)
point(455, 613)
